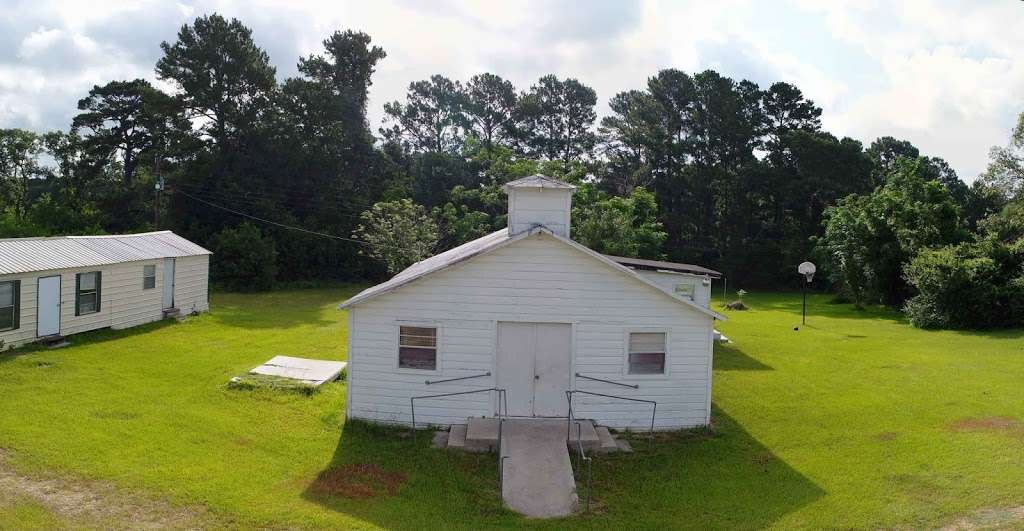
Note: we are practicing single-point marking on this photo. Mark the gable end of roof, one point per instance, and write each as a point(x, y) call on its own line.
point(495, 241)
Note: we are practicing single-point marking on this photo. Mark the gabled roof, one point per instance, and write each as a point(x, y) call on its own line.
point(538, 181)
point(655, 265)
point(494, 241)
point(25, 255)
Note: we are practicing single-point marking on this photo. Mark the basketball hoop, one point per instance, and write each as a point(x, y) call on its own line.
point(807, 269)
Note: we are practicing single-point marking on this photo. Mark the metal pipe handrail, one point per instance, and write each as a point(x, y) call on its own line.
point(654, 409)
point(502, 402)
point(432, 382)
point(631, 386)
point(581, 455)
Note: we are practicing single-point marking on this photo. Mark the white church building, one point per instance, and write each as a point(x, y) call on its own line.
point(530, 311)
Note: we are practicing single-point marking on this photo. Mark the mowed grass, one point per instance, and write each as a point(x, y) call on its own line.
point(856, 420)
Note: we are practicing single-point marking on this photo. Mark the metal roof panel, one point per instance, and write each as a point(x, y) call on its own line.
point(24, 255)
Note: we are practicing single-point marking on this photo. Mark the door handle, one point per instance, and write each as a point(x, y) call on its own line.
point(536, 377)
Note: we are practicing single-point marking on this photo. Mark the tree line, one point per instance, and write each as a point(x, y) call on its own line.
point(692, 167)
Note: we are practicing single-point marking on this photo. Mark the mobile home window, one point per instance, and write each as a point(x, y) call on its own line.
point(647, 353)
point(417, 347)
point(148, 277)
point(10, 304)
point(87, 292)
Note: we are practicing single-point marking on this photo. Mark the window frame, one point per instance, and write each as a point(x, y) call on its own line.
point(98, 291)
point(15, 304)
point(146, 277)
point(437, 346)
point(666, 372)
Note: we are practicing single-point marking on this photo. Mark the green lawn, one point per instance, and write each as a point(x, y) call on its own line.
point(856, 420)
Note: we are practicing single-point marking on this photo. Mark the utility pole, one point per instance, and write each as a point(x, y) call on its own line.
point(159, 187)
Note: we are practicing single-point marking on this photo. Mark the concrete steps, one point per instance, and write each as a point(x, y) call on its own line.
point(607, 441)
point(481, 435)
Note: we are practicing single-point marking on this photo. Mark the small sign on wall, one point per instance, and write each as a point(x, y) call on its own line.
point(685, 289)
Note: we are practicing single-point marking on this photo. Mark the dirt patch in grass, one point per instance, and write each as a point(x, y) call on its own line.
point(887, 436)
point(98, 504)
point(986, 424)
point(360, 481)
point(992, 518)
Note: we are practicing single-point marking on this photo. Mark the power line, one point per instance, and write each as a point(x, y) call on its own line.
point(256, 199)
point(282, 225)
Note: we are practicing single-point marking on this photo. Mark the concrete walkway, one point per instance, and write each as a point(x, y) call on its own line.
point(538, 475)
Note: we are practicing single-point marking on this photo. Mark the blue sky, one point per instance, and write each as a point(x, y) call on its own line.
point(948, 76)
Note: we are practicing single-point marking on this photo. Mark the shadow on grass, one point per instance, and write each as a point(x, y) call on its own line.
point(731, 358)
point(397, 483)
point(719, 478)
point(101, 335)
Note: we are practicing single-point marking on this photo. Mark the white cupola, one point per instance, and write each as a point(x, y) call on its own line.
point(539, 200)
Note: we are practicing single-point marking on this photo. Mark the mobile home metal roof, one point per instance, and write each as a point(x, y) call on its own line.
point(25, 255)
point(640, 263)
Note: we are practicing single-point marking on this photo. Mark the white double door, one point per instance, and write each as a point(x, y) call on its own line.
point(533, 366)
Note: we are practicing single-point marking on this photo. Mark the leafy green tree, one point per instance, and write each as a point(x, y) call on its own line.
point(226, 80)
point(885, 153)
point(431, 119)
point(557, 118)
point(969, 285)
point(19, 162)
point(620, 226)
point(246, 260)
point(489, 108)
point(1005, 170)
point(126, 120)
point(785, 110)
point(870, 238)
point(398, 233)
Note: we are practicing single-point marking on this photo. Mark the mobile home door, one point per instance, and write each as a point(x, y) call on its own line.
point(48, 306)
point(168, 283)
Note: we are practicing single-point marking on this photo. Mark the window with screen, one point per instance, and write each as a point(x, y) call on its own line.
point(417, 347)
point(647, 353)
point(148, 277)
point(87, 293)
point(9, 304)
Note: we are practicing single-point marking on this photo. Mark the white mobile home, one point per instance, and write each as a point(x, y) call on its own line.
point(530, 311)
point(54, 287)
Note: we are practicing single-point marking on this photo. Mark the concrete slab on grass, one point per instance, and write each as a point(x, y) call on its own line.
point(312, 372)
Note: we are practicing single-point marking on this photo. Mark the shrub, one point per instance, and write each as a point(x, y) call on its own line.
point(970, 285)
point(243, 259)
point(399, 233)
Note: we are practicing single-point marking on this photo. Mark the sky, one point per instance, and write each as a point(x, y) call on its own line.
point(946, 75)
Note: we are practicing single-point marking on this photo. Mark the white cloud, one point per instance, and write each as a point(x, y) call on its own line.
point(953, 73)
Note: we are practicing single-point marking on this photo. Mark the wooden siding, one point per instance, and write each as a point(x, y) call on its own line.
point(536, 279)
point(123, 301)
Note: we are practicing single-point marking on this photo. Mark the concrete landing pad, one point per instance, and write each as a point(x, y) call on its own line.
point(312, 372)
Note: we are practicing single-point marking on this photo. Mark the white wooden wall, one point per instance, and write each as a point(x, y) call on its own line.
point(124, 303)
point(535, 279)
